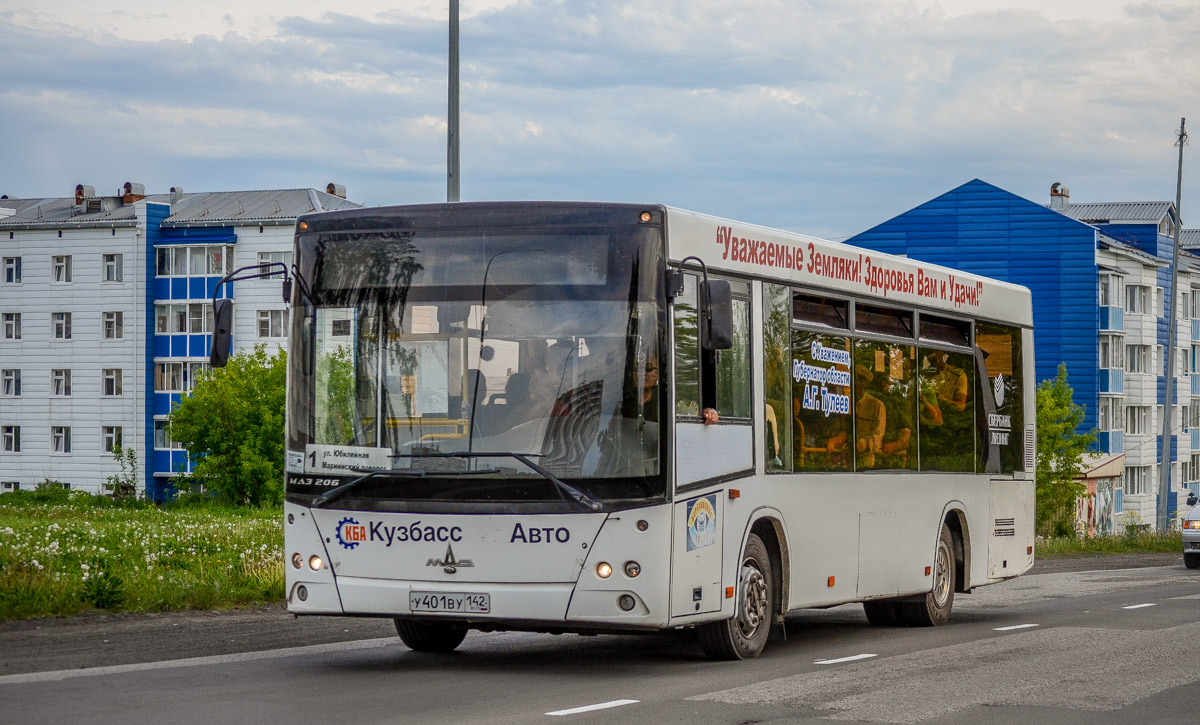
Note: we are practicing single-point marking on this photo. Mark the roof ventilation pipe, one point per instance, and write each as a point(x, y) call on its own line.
point(82, 191)
point(1060, 196)
point(132, 192)
point(336, 190)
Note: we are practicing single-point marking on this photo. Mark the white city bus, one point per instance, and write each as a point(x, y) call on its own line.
point(494, 422)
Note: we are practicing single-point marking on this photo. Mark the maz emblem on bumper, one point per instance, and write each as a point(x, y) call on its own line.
point(449, 564)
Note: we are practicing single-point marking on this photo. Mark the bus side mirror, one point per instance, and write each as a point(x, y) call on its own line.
point(716, 315)
point(1191, 499)
point(222, 336)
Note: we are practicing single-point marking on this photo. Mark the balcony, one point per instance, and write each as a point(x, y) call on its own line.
point(1112, 381)
point(1111, 441)
point(1112, 319)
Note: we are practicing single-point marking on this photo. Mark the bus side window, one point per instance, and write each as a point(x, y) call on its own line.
point(732, 399)
point(687, 349)
point(777, 376)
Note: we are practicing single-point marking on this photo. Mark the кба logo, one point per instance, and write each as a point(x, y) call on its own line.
point(350, 533)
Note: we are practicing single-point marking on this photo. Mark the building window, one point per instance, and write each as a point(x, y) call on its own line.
point(60, 438)
point(200, 317)
point(191, 374)
point(1111, 413)
point(272, 323)
point(112, 381)
point(60, 383)
point(1194, 470)
point(1135, 479)
point(284, 258)
point(61, 322)
point(61, 266)
point(10, 383)
point(1137, 299)
point(1112, 351)
point(168, 377)
point(114, 325)
point(12, 325)
point(1137, 358)
point(1112, 290)
point(196, 261)
point(1137, 420)
point(12, 270)
point(113, 268)
point(11, 438)
point(112, 437)
point(162, 436)
point(11, 485)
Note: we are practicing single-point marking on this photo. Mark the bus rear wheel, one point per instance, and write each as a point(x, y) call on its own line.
point(744, 636)
point(429, 636)
point(933, 609)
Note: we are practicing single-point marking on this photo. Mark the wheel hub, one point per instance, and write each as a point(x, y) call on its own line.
point(754, 605)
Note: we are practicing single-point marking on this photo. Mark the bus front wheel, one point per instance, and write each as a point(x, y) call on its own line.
point(429, 636)
point(745, 635)
point(933, 609)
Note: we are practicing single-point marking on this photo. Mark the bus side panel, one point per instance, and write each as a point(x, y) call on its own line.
point(697, 546)
point(1011, 530)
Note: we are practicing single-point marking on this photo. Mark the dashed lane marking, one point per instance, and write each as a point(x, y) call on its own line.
point(844, 659)
point(590, 708)
point(1015, 626)
point(1137, 606)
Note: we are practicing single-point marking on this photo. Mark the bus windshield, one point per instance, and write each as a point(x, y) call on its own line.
point(426, 352)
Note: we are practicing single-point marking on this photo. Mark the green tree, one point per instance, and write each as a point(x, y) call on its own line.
point(232, 425)
point(1060, 449)
point(124, 484)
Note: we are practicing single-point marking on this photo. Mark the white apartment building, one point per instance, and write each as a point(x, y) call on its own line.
point(105, 319)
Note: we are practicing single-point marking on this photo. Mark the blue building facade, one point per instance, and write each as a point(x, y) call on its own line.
point(1097, 273)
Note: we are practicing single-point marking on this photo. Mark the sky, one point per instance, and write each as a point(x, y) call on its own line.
point(819, 116)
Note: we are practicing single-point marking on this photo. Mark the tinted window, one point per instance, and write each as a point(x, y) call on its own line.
point(820, 401)
point(947, 410)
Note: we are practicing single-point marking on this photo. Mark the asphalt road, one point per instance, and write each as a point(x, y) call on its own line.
point(1106, 640)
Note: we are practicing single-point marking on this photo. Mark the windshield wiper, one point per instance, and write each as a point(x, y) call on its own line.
point(339, 491)
point(566, 491)
point(336, 493)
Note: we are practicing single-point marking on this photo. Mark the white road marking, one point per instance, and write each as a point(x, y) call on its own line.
point(590, 708)
point(1137, 606)
point(1015, 626)
point(53, 676)
point(844, 659)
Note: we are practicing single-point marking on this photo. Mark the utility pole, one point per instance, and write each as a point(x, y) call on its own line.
point(452, 110)
point(1171, 302)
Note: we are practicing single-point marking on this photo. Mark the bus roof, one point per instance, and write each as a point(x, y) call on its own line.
point(842, 269)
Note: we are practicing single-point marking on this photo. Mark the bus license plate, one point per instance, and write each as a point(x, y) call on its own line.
point(450, 602)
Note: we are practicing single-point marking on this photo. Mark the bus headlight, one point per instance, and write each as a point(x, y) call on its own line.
point(315, 562)
point(604, 570)
point(297, 560)
point(632, 569)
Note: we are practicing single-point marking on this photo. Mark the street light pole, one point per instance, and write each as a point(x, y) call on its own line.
point(1171, 302)
point(452, 110)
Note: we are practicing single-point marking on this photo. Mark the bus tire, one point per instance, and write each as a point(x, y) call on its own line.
point(882, 612)
point(429, 636)
point(1191, 561)
point(933, 609)
point(745, 634)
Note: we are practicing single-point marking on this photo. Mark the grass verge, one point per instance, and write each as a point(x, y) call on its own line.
point(64, 553)
point(1135, 543)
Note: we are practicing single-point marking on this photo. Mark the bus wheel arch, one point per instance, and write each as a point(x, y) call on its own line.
point(960, 532)
point(770, 530)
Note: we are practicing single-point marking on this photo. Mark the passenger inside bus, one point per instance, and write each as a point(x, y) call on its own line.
point(870, 419)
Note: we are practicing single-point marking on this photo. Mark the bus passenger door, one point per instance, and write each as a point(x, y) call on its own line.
point(696, 553)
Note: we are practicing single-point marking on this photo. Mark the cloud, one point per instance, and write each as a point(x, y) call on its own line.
point(815, 115)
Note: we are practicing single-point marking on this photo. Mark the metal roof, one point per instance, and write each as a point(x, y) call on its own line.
point(1148, 212)
point(251, 207)
point(212, 208)
point(1189, 238)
